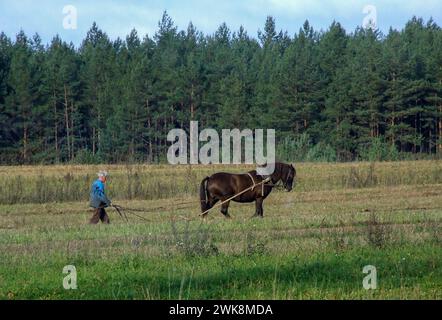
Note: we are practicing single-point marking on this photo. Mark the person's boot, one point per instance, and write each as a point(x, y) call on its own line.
point(104, 217)
point(96, 217)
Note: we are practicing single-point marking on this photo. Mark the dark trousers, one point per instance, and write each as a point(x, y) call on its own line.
point(99, 214)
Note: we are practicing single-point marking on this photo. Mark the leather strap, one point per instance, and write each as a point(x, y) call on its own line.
point(253, 181)
point(254, 184)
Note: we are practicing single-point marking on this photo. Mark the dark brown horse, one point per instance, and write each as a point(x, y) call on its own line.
point(222, 186)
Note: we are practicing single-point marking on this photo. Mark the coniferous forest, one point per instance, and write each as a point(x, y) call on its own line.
point(331, 95)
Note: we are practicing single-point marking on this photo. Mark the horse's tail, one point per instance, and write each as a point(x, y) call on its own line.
point(204, 199)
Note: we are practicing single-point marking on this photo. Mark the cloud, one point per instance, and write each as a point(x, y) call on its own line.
point(117, 18)
point(298, 7)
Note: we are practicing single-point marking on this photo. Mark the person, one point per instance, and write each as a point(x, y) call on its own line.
point(98, 199)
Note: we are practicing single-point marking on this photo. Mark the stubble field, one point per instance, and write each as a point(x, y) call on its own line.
point(313, 242)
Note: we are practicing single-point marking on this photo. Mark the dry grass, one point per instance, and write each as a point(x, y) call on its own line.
point(314, 237)
point(146, 182)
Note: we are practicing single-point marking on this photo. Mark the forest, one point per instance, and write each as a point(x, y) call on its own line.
point(331, 95)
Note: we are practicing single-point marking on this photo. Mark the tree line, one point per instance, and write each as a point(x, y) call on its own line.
point(332, 93)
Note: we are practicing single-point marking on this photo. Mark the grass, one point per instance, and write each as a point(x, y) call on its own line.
point(318, 275)
point(43, 184)
point(312, 244)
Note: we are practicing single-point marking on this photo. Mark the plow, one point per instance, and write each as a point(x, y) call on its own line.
point(124, 211)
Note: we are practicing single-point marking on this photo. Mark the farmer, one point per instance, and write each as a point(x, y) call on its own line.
point(99, 200)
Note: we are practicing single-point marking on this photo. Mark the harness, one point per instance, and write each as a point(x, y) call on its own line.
point(254, 184)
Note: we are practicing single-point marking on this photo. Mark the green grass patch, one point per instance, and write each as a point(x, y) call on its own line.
point(410, 272)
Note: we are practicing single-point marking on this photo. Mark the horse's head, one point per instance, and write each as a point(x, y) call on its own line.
point(286, 173)
point(288, 176)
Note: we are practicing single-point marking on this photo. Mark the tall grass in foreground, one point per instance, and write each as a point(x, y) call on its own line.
point(312, 275)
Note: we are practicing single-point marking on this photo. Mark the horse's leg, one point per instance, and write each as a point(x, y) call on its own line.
point(211, 201)
point(259, 211)
point(225, 209)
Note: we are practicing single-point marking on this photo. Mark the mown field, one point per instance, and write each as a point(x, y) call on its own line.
point(312, 243)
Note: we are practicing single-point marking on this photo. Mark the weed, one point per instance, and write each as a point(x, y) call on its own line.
point(193, 242)
point(254, 246)
point(360, 178)
point(378, 233)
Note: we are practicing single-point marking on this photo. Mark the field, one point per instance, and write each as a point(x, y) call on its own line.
point(313, 242)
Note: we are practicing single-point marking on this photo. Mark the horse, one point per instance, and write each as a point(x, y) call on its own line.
point(222, 186)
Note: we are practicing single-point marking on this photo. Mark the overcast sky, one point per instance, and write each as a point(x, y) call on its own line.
point(117, 18)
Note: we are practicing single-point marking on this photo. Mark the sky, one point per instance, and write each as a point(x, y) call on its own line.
point(118, 18)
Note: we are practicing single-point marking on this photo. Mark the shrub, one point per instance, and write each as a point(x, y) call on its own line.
point(85, 156)
point(294, 148)
point(300, 148)
point(321, 153)
point(378, 150)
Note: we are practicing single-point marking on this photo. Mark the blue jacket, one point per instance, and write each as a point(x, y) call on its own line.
point(97, 196)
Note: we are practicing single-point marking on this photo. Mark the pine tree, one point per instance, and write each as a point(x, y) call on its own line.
point(299, 83)
point(62, 89)
point(336, 126)
point(97, 74)
point(265, 112)
point(21, 100)
point(7, 139)
point(116, 100)
point(367, 85)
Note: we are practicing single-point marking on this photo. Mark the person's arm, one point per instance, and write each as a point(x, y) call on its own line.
point(102, 195)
